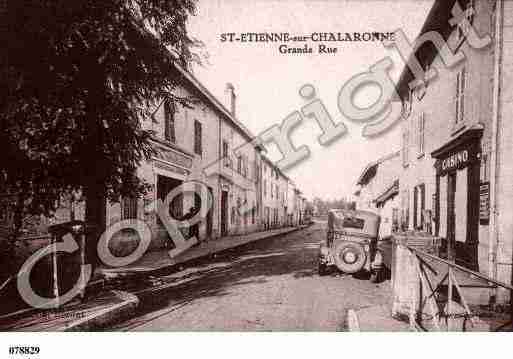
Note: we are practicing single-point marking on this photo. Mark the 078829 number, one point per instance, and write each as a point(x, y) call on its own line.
point(23, 350)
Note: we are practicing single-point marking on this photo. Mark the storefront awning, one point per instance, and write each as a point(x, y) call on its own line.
point(468, 136)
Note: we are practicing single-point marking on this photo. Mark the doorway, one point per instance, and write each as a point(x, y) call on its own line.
point(210, 214)
point(451, 216)
point(224, 213)
point(164, 186)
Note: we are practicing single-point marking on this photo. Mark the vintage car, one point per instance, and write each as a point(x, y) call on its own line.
point(352, 243)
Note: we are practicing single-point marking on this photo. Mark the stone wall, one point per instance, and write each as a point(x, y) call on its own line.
point(505, 174)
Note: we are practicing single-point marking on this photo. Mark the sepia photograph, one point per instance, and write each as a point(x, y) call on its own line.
point(255, 166)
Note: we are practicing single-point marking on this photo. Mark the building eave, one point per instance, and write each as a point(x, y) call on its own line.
point(437, 20)
point(193, 81)
point(370, 170)
point(470, 134)
point(388, 194)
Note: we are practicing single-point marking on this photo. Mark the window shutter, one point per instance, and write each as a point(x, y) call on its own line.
point(415, 206)
point(405, 148)
point(422, 204)
point(225, 149)
point(462, 94)
point(197, 138)
point(457, 114)
point(407, 208)
point(169, 121)
point(422, 126)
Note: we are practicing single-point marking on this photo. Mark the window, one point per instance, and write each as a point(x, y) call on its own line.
point(226, 157)
point(225, 148)
point(257, 172)
point(419, 205)
point(239, 164)
point(422, 125)
point(198, 146)
point(265, 188)
point(405, 148)
point(129, 208)
point(353, 222)
point(460, 97)
point(485, 168)
point(407, 104)
point(233, 219)
point(272, 190)
point(395, 219)
point(169, 121)
point(469, 14)
point(244, 166)
point(405, 210)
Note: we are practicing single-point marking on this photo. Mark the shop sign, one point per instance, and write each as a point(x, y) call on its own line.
point(171, 168)
point(456, 160)
point(484, 203)
point(173, 157)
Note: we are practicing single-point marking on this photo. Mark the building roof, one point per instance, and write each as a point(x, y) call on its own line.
point(275, 167)
point(370, 170)
point(437, 20)
point(389, 193)
point(215, 103)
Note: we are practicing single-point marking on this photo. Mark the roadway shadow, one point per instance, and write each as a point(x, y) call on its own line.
point(219, 275)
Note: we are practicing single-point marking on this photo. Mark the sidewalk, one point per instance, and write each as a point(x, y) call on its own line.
point(152, 263)
point(96, 313)
point(111, 306)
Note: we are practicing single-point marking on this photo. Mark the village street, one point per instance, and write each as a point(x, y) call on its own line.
point(268, 285)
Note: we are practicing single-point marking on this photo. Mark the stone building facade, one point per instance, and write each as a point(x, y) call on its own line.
point(378, 189)
point(456, 176)
point(280, 197)
point(202, 142)
point(198, 142)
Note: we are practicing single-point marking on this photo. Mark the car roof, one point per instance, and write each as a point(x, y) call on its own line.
point(355, 213)
point(370, 222)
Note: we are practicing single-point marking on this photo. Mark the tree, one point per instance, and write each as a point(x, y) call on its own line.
point(76, 78)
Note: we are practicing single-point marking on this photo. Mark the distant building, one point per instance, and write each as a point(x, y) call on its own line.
point(378, 189)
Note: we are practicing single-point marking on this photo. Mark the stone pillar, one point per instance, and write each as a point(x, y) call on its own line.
point(406, 281)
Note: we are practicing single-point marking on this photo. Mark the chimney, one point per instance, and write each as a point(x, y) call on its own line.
point(232, 98)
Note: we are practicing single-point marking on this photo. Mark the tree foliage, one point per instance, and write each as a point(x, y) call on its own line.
point(76, 78)
point(323, 206)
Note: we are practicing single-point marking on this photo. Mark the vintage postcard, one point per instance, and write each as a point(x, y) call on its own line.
point(249, 166)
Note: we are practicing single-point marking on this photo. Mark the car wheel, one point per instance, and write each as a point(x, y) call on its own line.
point(349, 257)
point(323, 269)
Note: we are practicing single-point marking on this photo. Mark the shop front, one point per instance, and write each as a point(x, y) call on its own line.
point(457, 202)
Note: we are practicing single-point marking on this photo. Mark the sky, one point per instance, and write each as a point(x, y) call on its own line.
point(267, 82)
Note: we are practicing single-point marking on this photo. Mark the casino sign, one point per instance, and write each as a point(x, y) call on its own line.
point(455, 160)
point(457, 155)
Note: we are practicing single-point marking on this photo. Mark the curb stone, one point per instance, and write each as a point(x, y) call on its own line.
point(353, 324)
point(103, 318)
